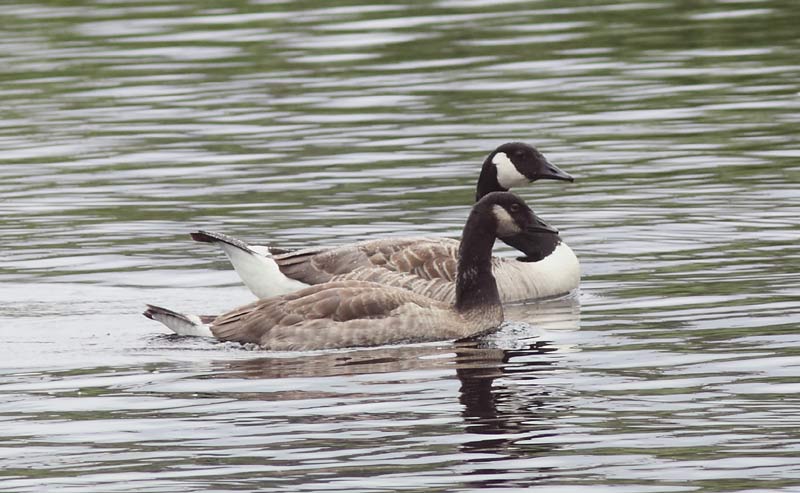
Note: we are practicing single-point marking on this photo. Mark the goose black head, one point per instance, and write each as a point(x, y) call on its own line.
point(515, 164)
point(512, 215)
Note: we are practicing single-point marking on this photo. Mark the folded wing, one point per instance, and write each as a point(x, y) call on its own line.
point(346, 310)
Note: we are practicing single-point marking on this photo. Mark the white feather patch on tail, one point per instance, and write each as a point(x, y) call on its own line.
point(180, 323)
point(255, 266)
point(259, 272)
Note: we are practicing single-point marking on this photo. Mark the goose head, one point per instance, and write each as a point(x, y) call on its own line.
point(513, 217)
point(519, 227)
point(496, 215)
point(515, 164)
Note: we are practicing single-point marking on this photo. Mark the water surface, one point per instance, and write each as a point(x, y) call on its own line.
point(128, 124)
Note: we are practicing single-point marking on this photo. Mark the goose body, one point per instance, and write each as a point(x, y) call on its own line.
point(548, 267)
point(346, 313)
point(334, 315)
point(424, 265)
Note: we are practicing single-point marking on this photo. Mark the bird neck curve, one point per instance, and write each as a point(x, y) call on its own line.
point(475, 284)
point(487, 180)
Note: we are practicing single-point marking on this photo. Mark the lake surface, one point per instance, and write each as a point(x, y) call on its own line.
point(126, 125)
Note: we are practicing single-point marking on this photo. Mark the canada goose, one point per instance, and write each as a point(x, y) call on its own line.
point(360, 313)
point(548, 268)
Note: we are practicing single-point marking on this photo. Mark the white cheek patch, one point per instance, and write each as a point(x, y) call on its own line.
point(507, 174)
point(506, 226)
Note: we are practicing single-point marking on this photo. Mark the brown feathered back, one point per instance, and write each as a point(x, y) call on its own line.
point(347, 313)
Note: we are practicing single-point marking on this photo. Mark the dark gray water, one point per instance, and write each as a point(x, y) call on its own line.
point(125, 125)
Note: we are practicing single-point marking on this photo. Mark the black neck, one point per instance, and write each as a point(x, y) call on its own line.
point(475, 284)
point(487, 181)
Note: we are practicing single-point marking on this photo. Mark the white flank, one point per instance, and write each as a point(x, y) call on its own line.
point(562, 268)
point(259, 272)
point(508, 176)
point(555, 275)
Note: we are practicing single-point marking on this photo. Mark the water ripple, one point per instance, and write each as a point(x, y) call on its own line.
point(129, 124)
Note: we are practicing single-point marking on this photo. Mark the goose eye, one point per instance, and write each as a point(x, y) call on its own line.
point(514, 208)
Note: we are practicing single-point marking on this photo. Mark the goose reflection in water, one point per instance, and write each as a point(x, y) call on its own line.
point(501, 411)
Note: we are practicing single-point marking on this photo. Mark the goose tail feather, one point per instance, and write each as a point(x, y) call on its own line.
point(181, 324)
point(223, 239)
point(254, 264)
